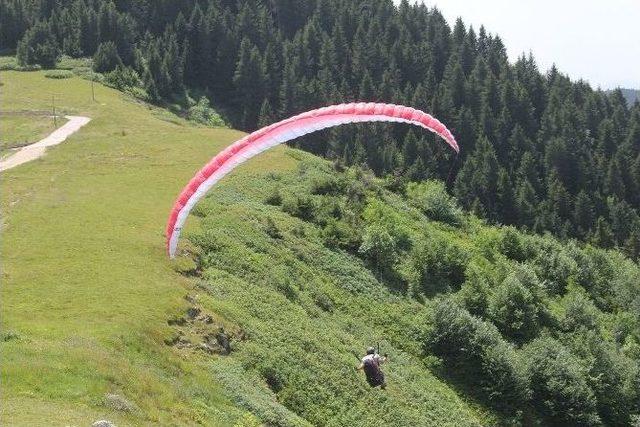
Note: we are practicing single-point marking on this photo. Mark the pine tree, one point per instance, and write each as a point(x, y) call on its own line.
point(266, 116)
point(288, 89)
point(478, 179)
point(602, 236)
point(526, 204)
point(506, 206)
point(38, 46)
point(248, 80)
point(584, 213)
point(366, 92)
point(106, 58)
point(156, 77)
point(558, 197)
point(200, 52)
point(632, 244)
point(553, 140)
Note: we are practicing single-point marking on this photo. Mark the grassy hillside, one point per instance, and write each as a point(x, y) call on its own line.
point(18, 129)
point(87, 289)
point(303, 264)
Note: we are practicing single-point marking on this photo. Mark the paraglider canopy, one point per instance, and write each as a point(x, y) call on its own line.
point(284, 131)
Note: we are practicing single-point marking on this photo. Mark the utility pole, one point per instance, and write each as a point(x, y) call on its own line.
point(53, 106)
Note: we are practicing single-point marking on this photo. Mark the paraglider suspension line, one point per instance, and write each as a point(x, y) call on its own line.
point(450, 174)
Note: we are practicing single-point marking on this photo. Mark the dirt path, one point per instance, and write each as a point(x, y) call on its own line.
point(35, 150)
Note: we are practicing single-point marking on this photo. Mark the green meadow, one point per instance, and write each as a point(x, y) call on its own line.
point(86, 286)
point(18, 129)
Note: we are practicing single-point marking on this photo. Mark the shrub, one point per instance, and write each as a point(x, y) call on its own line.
point(9, 63)
point(9, 336)
point(554, 266)
point(512, 245)
point(558, 382)
point(138, 92)
point(300, 206)
point(122, 78)
point(476, 288)
point(248, 420)
point(380, 248)
point(68, 63)
point(477, 353)
point(380, 214)
point(437, 265)
point(58, 74)
point(87, 73)
point(340, 234)
point(274, 198)
point(609, 375)
point(432, 198)
point(106, 58)
point(579, 312)
point(327, 185)
point(271, 229)
point(514, 309)
point(284, 282)
point(324, 301)
point(205, 115)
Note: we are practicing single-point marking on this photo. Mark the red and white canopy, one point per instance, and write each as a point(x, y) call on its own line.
point(283, 131)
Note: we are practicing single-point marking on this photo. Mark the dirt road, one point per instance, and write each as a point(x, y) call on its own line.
point(37, 149)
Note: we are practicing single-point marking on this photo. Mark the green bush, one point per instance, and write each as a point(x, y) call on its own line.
point(274, 198)
point(515, 310)
point(10, 63)
point(478, 355)
point(339, 234)
point(475, 291)
point(431, 197)
point(58, 74)
point(512, 245)
point(558, 382)
point(380, 248)
point(609, 374)
point(327, 185)
point(272, 229)
point(205, 115)
point(579, 312)
point(87, 73)
point(383, 215)
point(66, 62)
point(553, 266)
point(318, 306)
point(436, 264)
point(300, 206)
point(122, 78)
point(138, 93)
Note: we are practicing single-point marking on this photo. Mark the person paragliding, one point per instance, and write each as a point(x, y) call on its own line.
point(370, 364)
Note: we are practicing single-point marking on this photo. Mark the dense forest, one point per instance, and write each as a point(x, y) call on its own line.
point(538, 150)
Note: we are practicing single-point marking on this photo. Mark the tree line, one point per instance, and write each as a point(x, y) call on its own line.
point(539, 150)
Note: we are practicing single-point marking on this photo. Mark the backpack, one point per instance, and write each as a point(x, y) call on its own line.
point(372, 370)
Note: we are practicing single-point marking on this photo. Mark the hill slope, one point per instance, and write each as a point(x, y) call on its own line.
point(303, 264)
point(87, 289)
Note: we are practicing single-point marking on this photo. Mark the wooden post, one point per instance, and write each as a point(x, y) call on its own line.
point(53, 106)
point(93, 78)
